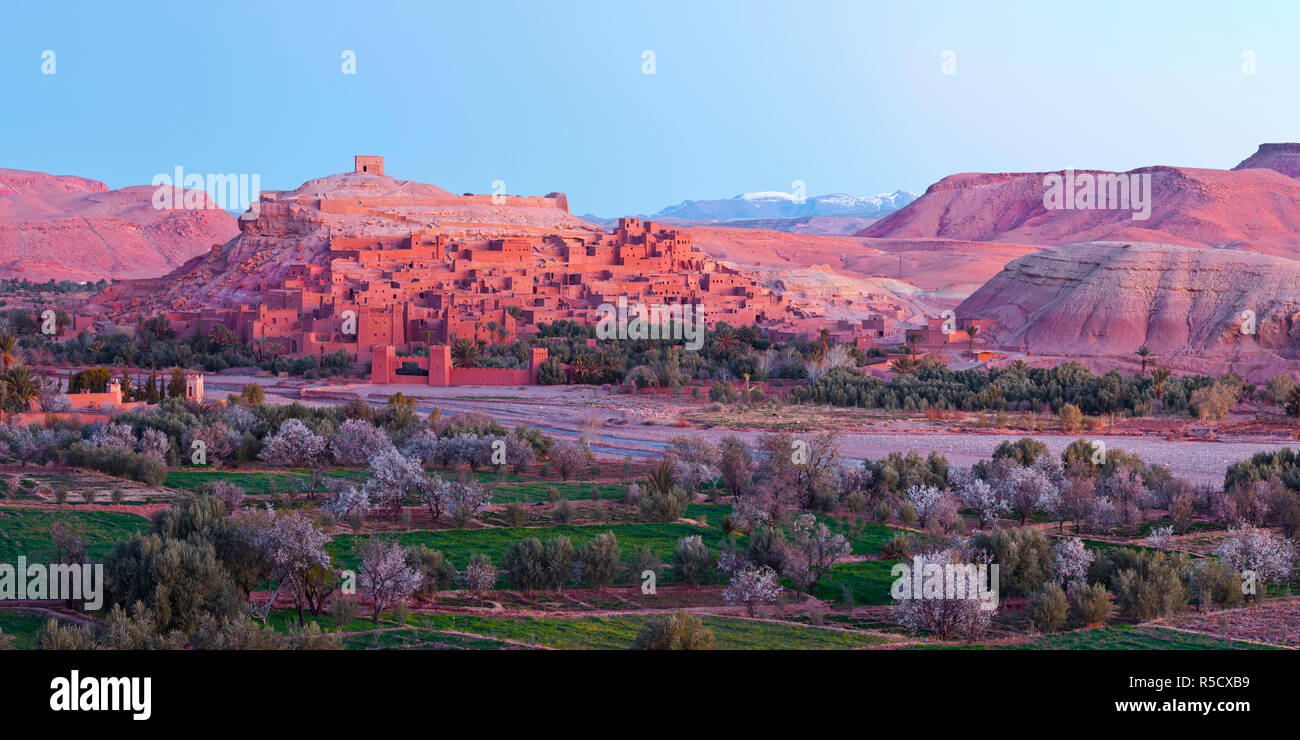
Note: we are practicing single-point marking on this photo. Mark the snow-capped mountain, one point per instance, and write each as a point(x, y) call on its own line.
point(775, 204)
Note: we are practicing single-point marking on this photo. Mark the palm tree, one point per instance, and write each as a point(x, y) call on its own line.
point(913, 337)
point(1144, 353)
point(903, 365)
point(582, 367)
point(971, 331)
point(22, 386)
point(464, 353)
point(661, 478)
point(1159, 375)
point(724, 340)
point(7, 343)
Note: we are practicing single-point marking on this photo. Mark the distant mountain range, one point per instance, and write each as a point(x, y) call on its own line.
point(767, 205)
point(837, 213)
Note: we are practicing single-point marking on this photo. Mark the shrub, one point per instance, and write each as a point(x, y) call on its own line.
point(345, 610)
point(1157, 592)
point(1047, 609)
point(644, 559)
point(598, 561)
point(567, 459)
point(692, 560)
point(1216, 584)
point(551, 372)
point(1071, 418)
point(356, 520)
point(1090, 604)
point(1024, 450)
point(899, 547)
point(435, 570)
point(907, 514)
point(663, 506)
point(563, 512)
point(1214, 401)
point(525, 560)
point(883, 512)
point(180, 581)
point(516, 514)
point(1279, 389)
point(253, 395)
point(1026, 558)
point(679, 631)
point(400, 612)
point(559, 559)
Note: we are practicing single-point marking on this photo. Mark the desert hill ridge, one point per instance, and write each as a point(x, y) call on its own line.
point(1187, 304)
point(1252, 209)
point(66, 227)
point(1284, 158)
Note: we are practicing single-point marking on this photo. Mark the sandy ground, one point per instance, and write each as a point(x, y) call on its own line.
point(619, 425)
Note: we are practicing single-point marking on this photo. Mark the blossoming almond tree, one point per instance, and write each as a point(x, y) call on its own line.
point(752, 586)
point(811, 551)
point(293, 445)
point(1258, 554)
point(392, 476)
point(1072, 561)
point(386, 577)
point(295, 546)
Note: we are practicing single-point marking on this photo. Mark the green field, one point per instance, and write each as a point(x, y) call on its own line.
point(1128, 637)
point(409, 638)
point(22, 627)
point(1119, 637)
point(254, 483)
point(869, 580)
point(459, 544)
point(439, 631)
point(619, 632)
point(506, 487)
point(27, 531)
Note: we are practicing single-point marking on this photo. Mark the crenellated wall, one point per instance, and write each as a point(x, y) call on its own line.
point(385, 361)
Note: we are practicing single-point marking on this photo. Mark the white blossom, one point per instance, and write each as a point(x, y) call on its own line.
point(293, 445)
point(752, 586)
point(1072, 560)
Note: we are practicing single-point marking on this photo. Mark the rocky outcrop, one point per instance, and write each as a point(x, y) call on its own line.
point(1193, 307)
point(1284, 158)
point(74, 228)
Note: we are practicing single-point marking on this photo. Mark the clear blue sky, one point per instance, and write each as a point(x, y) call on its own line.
point(845, 96)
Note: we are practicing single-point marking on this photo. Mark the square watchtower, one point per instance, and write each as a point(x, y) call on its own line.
point(366, 165)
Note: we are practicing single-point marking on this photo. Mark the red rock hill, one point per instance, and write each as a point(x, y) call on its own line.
point(1184, 303)
point(74, 228)
point(1256, 210)
point(1284, 158)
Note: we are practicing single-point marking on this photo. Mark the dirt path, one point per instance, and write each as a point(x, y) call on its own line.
point(142, 510)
